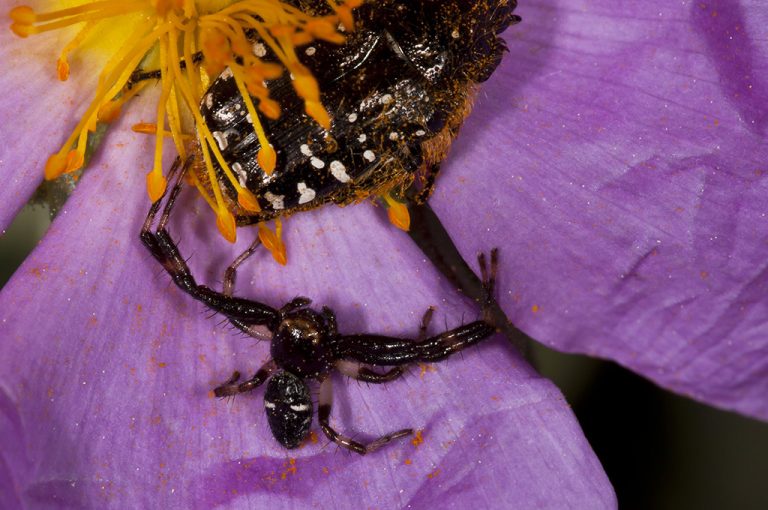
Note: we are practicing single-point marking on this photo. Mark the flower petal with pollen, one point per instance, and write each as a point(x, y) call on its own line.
point(105, 377)
point(632, 195)
point(36, 110)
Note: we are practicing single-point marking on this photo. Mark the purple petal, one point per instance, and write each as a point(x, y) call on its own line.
point(36, 109)
point(107, 370)
point(630, 202)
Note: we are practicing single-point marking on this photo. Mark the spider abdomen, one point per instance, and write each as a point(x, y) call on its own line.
point(289, 408)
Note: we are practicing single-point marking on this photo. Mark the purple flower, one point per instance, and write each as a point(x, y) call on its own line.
point(616, 158)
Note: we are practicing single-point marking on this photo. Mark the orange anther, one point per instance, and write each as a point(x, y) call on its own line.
point(247, 201)
point(272, 242)
point(75, 161)
point(22, 29)
point(62, 69)
point(270, 108)
point(344, 13)
point(267, 158)
point(145, 128)
point(109, 111)
point(55, 166)
point(23, 14)
point(225, 222)
point(156, 184)
point(398, 214)
point(318, 112)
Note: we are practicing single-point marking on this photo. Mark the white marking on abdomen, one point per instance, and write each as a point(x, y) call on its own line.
point(339, 171)
point(276, 201)
point(306, 194)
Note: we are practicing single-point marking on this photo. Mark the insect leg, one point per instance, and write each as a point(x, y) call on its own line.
point(324, 414)
point(231, 387)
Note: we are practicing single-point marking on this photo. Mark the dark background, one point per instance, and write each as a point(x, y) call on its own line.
point(660, 450)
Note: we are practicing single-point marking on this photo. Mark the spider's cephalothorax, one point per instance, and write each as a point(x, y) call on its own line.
point(306, 344)
point(396, 91)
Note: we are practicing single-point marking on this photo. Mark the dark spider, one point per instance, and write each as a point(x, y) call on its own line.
point(306, 343)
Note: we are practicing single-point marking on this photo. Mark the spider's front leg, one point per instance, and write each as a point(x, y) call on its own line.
point(164, 250)
point(384, 350)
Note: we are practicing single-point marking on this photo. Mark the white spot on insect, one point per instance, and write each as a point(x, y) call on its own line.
point(369, 155)
point(352, 117)
point(339, 171)
point(259, 49)
point(248, 119)
point(393, 136)
point(455, 33)
point(305, 150)
point(269, 405)
point(306, 194)
point(242, 177)
point(209, 100)
point(421, 132)
point(362, 138)
point(317, 162)
point(386, 99)
point(226, 74)
point(300, 407)
point(310, 51)
point(341, 28)
point(221, 139)
point(276, 201)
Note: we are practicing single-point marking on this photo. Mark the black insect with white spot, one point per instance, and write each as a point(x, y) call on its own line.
point(397, 91)
point(306, 343)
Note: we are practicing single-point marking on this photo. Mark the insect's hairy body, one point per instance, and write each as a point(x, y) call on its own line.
point(397, 92)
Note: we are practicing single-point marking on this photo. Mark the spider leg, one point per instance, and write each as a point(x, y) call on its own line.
point(425, 320)
point(384, 350)
point(295, 304)
point(164, 249)
point(360, 372)
point(330, 318)
point(324, 414)
point(230, 275)
point(231, 387)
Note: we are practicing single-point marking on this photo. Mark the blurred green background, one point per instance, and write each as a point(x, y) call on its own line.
point(660, 450)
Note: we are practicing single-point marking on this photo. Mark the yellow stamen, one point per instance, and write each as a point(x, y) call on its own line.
point(173, 31)
point(397, 212)
point(62, 65)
